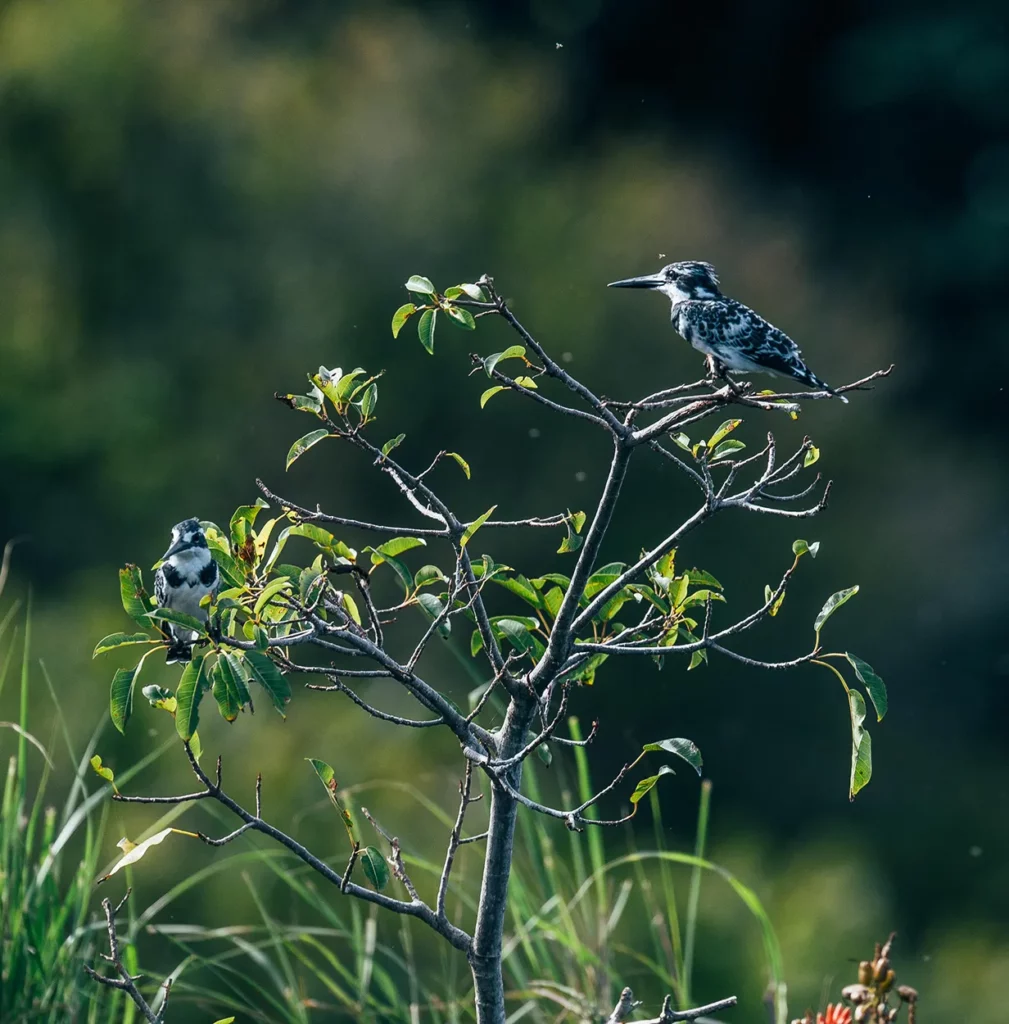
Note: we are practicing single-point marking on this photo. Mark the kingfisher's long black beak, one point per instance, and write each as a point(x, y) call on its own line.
point(648, 281)
point(177, 546)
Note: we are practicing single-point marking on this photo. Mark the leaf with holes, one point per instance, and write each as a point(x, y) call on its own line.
point(136, 603)
point(681, 748)
point(328, 778)
point(722, 432)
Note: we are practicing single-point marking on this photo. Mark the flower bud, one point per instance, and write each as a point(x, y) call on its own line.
point(887, 983)
point(879, 968)
point(864, 972)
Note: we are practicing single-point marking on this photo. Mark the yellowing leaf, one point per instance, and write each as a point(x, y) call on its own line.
point(132, 852)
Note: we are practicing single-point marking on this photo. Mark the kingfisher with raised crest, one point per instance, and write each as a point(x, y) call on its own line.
point(732, 336)
point(187, 574)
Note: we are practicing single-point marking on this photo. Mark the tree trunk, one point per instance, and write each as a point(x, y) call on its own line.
point(485, 955)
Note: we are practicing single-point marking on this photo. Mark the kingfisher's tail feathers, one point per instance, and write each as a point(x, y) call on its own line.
point(807, 376)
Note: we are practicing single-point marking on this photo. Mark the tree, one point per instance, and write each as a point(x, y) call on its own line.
point(270, 615)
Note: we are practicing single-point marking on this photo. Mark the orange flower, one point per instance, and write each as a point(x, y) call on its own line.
point(834, 1015)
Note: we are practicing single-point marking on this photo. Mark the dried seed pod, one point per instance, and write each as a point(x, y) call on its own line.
point(908, 994)
point(880, 968)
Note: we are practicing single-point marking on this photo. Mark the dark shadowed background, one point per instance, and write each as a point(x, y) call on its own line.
point(201, 201)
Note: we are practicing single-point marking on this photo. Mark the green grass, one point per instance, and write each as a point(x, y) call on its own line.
point(581, 924)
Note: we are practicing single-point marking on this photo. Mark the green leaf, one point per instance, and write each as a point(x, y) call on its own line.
point(462, 317)
point(874, 686)
point(263, 670)
point(346, 387)
point(463, 464)
point(303, 444)
point(328, 778)
point(350, 605)
point(394, 442)
point(490, 393)
point(238, 675)
point(114, 640)
point(527, 382)
point(188, 695)
point(512, 352)
point(723, 431)
point(121, 697)
point(369, 400)
point(105, 773)
point(131, 588)
point(474, 291)
point(681, 748)
point(475, 643)
point(160, 697)
point(425, 330)
point(375, 868)
point(400, 317)
point(224, 693)
point(726, 448)
point(571, 541)
point(177, 619)
point(270, 591)
point(396, 546)
point(520, 587)
point(768, 594)
point(699, 576)
point(833, 603)
point(420, 285)
point(428, 574)
point(800, 547)
point(394, 563)
point(811, 456)
point(433, 607)
point(861, 746)
point(475, 525)
point(645, 786)
point(681, 440)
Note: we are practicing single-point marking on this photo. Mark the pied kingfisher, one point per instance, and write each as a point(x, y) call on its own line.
point(186, 575)
point(731, 336)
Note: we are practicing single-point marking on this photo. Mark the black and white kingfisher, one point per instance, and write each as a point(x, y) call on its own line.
point(731, 336)
point(187, 574)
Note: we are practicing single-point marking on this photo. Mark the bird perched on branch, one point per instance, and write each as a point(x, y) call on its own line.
point(187, 574)
point(731, 336)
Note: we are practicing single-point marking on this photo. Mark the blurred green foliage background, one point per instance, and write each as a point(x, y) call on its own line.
point(201, 201)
